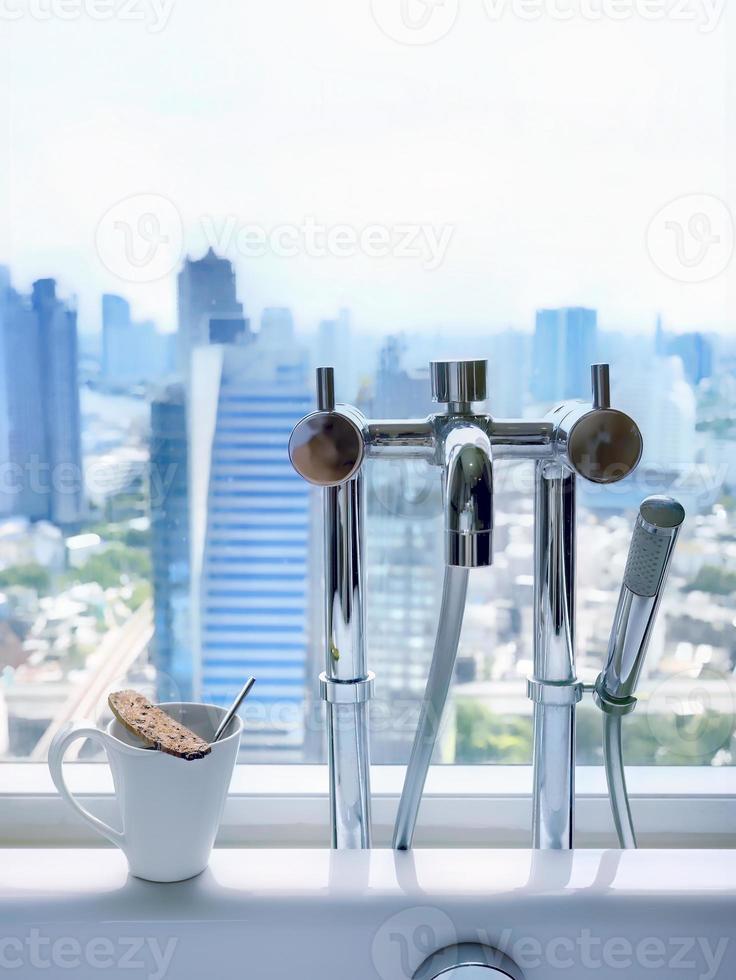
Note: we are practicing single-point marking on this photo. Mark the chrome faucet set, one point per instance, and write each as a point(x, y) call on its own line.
point(589, 440)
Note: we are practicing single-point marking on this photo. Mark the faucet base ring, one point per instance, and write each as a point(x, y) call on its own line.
point(609, 704)
point(346, 692)
point(559, 693)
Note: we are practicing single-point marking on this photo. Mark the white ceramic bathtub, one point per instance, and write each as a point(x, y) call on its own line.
point(314, 914)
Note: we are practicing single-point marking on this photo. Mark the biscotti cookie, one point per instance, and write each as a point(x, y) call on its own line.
point(154, 727)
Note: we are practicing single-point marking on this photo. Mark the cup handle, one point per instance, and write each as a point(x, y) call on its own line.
point(62, 740)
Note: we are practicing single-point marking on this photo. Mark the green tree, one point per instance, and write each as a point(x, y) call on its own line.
point(30, 576)
point(109, 567)
point(717, 581)
point(666, 740)
point(483, 736)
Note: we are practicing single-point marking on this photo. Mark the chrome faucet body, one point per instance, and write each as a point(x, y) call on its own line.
point(329, 448)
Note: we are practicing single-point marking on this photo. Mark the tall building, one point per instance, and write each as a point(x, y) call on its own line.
point(169, 496)
point(115, 333)
point(206, 291)
point(132, 352)
point(658, 395)
point(564, 348)
point(508, 373)
point(696, 353)
point(122, 356)
point(277, 325)
point(39, 405)
point(250, 536)
point(695, 350)
point(335, 348)
point(22, 418)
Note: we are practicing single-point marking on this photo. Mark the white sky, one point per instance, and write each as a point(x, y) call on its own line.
point(548, 146)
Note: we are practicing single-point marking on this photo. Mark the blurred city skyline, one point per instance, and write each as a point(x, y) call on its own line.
point(196, 560)
point(92, 327)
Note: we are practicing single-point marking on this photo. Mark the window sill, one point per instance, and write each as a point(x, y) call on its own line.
point(468, 806)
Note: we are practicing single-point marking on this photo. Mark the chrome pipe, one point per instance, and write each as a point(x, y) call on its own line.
point(401, 439)
point(327, 449)
point(346, 684)
point(554, 688)
point(522, 439)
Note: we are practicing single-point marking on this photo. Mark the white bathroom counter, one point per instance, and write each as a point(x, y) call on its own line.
point(69, 878)
point(317, 913)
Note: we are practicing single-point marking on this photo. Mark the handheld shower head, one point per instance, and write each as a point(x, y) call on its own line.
point(653, 541)
point(655, 531)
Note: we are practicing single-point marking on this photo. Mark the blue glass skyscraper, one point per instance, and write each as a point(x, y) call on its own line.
point(696, 353)
point(206, 290)
point(250, 535)
point(39, 405)
point(564, 349)
point(169, 495)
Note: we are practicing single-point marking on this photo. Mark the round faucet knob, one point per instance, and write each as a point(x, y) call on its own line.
point(458, 381)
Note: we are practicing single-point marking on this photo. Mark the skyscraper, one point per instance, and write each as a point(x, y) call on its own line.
point(115, 332)
point(508, 373)
point(696, 353)
point(564, 349)
point(250, 534)
point(22, 422)
point(205, 291)
point(657, 394)
point(125, 357)
point(59, 392)
point(336, 349)
point(132, 352)
point(169, 495)
point(39, 405)
point(277, 325)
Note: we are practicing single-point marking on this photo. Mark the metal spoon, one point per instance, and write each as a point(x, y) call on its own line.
point(233, 708)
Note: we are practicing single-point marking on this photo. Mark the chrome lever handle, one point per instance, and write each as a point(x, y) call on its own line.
point(601, 385)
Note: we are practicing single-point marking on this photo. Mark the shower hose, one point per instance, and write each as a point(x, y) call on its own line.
point(616, 778)
point(452, 608)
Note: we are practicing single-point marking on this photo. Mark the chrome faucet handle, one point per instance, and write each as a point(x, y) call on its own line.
point(599, 443)
point(327, 447)
point(458, 382)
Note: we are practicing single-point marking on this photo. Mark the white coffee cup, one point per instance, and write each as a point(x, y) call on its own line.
point(170, 807)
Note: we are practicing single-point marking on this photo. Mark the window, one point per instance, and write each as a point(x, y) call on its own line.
point(203, 205)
